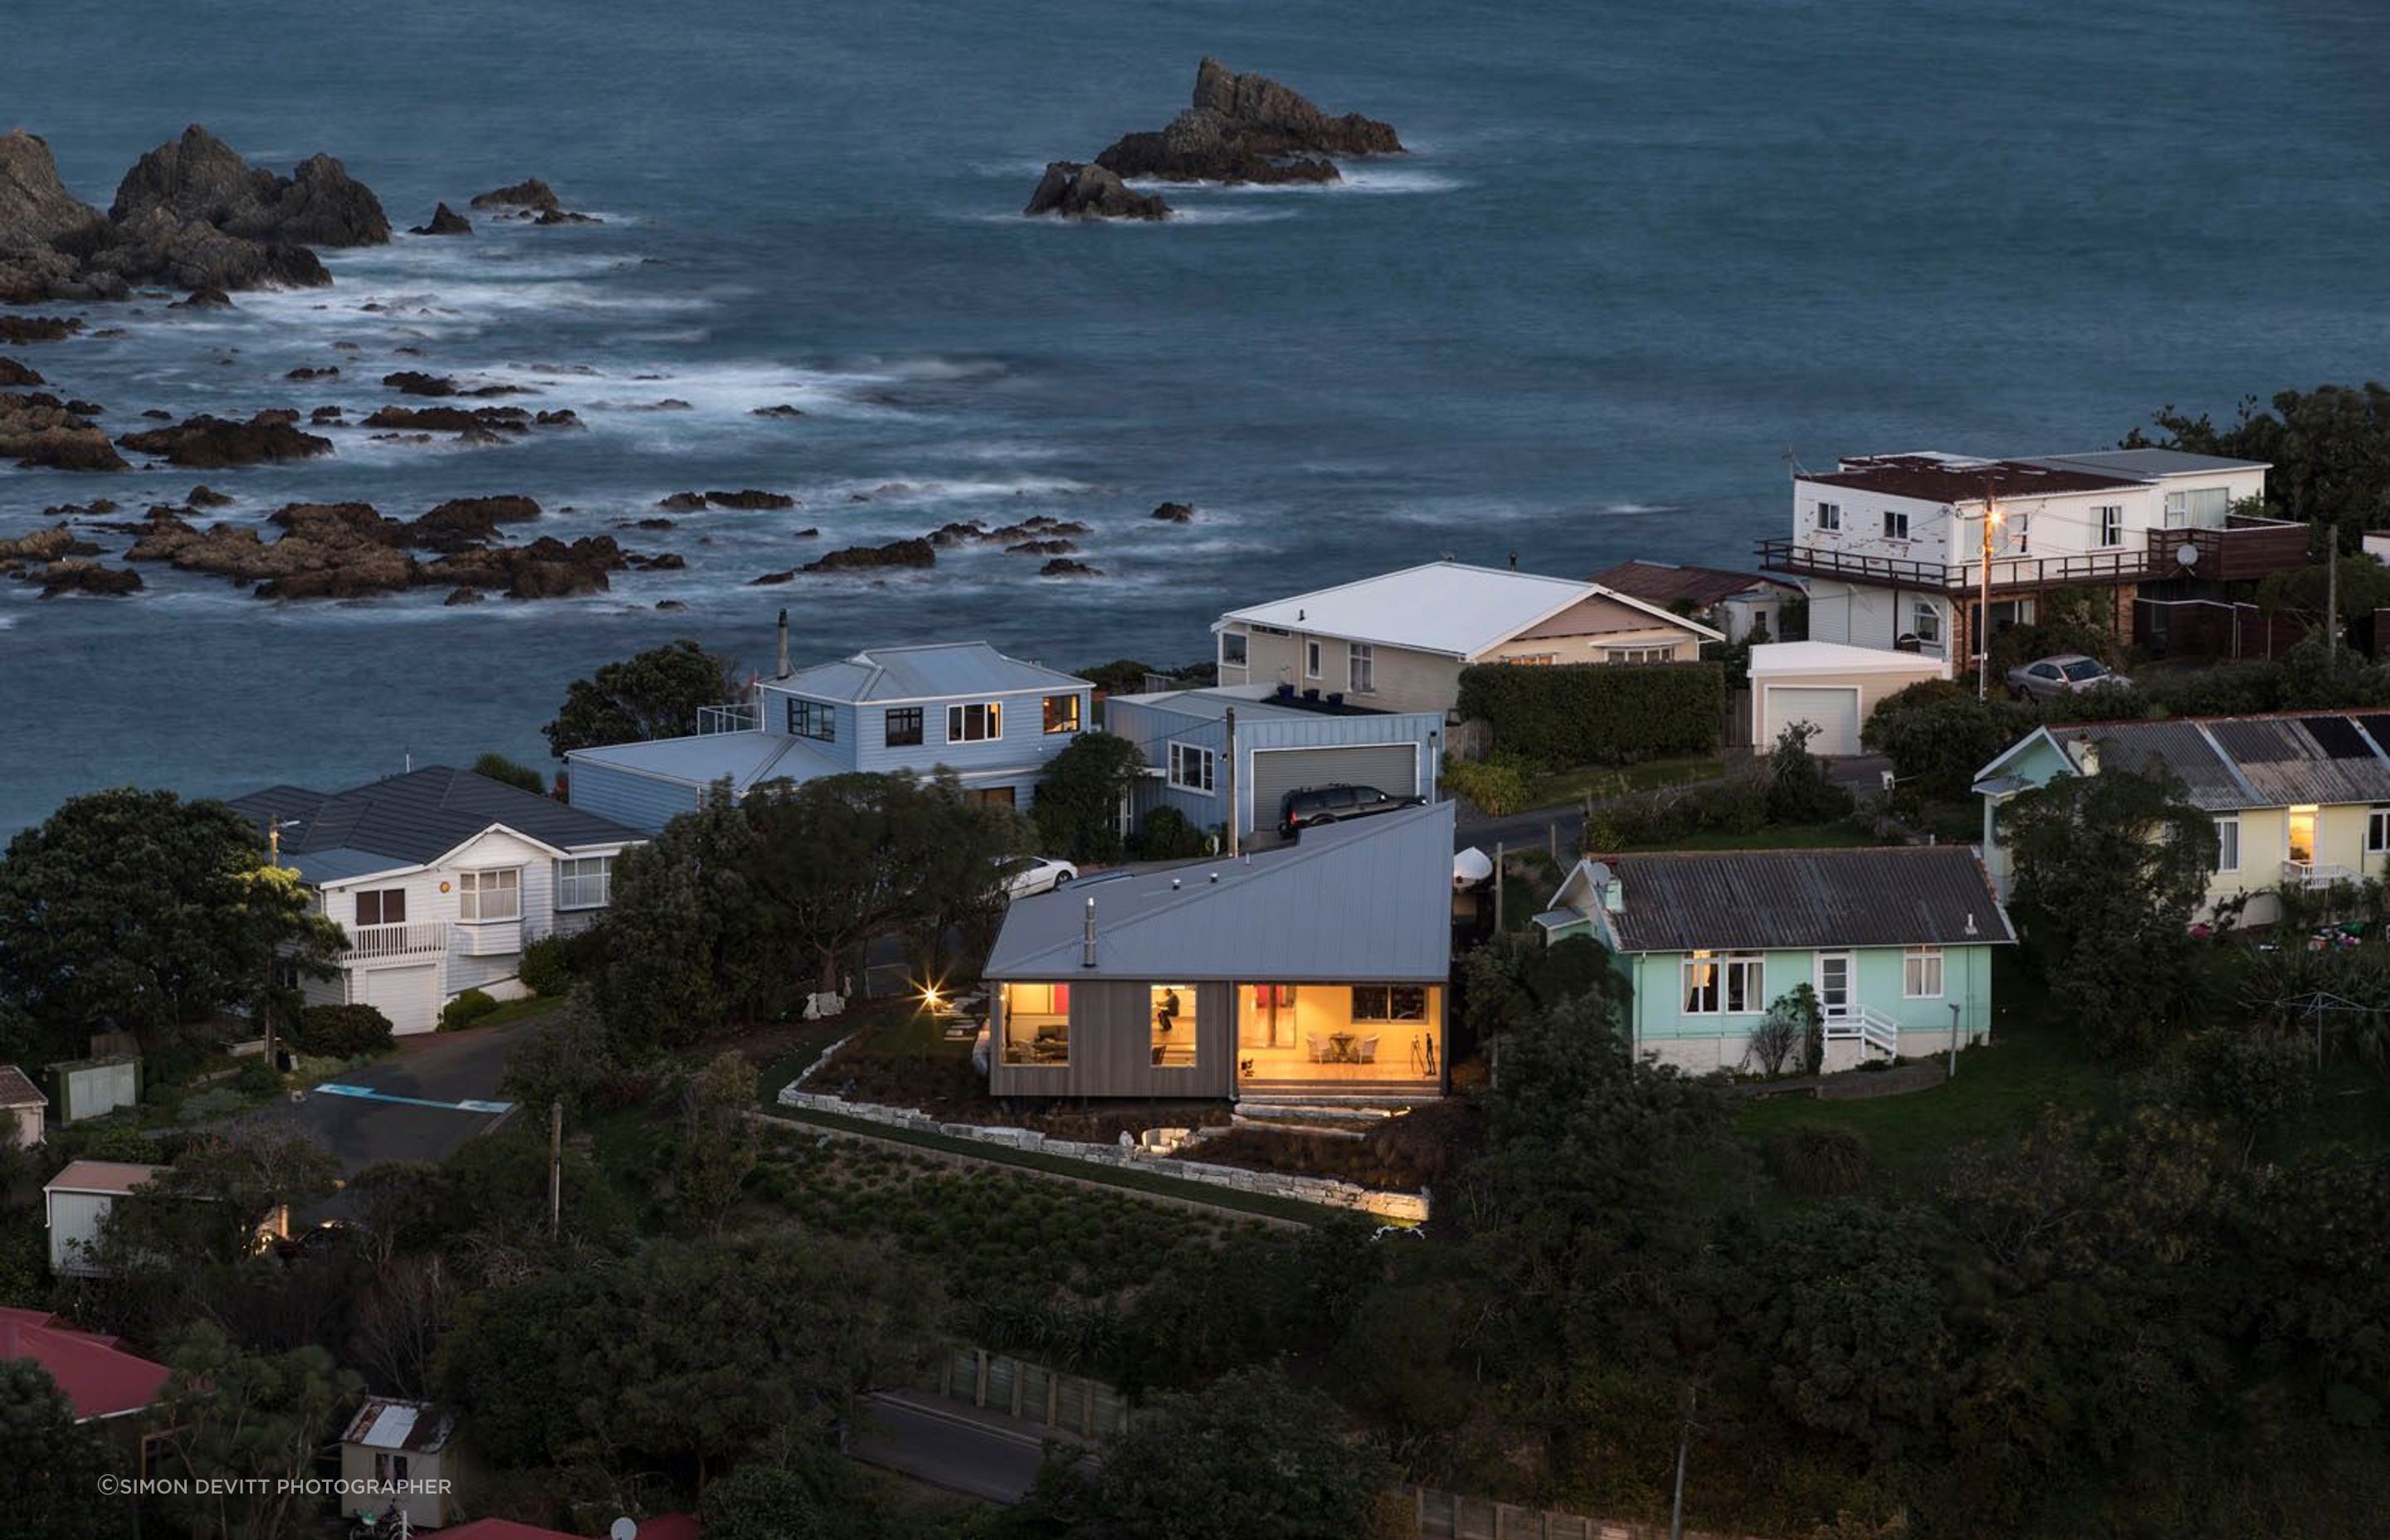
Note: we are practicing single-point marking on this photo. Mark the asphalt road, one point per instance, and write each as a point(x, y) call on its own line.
point(434, 1074)
point(949, 1445)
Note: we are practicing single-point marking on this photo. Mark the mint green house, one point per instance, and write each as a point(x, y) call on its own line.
point(1897, 943)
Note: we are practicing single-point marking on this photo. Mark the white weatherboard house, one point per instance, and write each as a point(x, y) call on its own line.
point(1891, 546)
point(439, 879)
point(1832, 687)
point(76, 1202)
point(993, 721)
point(22, 1105)
point(1397, 642)
point(401, 1454)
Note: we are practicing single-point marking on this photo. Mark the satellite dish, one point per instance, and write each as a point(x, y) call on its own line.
point(2187, 554)
point(623, 1529)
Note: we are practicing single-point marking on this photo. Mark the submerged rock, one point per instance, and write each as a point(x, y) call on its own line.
point(1173, 513)
point(17, 330)
point(1077, 191)
point(445, 221)
point(37, 428)
point(1063, 567)
point(896, 553)
point(207, 442)
point(531, 199)
point(206, 496)
point(209, 298)
point(1247, 128)
point(750, 498)
point(13, 374)
point(782, 410)
point(80, 576)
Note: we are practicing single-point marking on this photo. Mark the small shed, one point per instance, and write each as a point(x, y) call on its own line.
point(398, 1453)
point(77, 1202)
point(1830, 685)
point(93, 1087)
point(21, 1103)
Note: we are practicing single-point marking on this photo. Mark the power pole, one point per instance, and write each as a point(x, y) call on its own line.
point(2332, 600)
point(1983, 609)
point(1498, 887)
point(555, 1168)
point(1684, 1443)
point(1236, 816)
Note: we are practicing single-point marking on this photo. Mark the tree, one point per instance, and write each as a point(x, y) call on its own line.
point(49, 1482)
point(1938, 735)
point(656, 694)
point(209, 1208)
point(497, 767)
point(958, 894)
point(720, 1141)
point(1077, 810)
point(2110, 869)
point(1799, 790)
point(2329, 449)
point(565, 1059)
point(811, 1492)
point(252, 1423)
point(688, 947)
point(1250, 1455)
point(139, 911)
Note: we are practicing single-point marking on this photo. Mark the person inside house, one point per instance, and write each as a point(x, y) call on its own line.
point(1165, 1015)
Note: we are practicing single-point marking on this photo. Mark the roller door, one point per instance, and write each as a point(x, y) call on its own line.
point(1832, 709)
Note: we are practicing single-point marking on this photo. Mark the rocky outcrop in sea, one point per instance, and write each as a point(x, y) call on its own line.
point(191, 213)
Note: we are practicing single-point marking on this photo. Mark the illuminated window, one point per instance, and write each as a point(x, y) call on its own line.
point(1171, 1010)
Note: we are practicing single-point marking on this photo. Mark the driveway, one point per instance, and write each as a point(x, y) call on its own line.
point(949, 1445)
point(436, 1092)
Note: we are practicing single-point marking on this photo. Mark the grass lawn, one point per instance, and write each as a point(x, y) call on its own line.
point(1558, 788)
point(523, 1009)
point(2032, 1061)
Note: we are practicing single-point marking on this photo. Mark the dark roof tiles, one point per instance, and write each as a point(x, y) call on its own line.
point(422, 815)
point(1726, 901)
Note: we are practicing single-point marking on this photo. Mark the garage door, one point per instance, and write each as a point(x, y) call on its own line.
point(1832, 709)
point(409, 997)
point(1389, 767)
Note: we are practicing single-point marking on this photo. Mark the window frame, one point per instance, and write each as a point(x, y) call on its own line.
point(958, 721)
point(2108, 520)
point(890, 732)
point(1242, 644)
point(1077, 717)
point(1925, 622)
point(1209, 769)
point(1657, 652)
point(1915, 963)
point(1312, 658)
point(1736, 985)
point(473, 887)
point(1895, 523)
point(1054, 1028)
point(381, 898)
point(1360, 669)
point(1388, 1005)
point(817, 720)
point(568, 881)
point(2227, 859)
point(2377, 830)
point(1829, 518)
point(1186, 1025)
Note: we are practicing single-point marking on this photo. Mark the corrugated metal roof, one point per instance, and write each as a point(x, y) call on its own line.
point(2177, 746)
point(1371, 899)
point(385, 1423)
point(928, 671)
point(2285, 764)
point(2147, 462)
point(112, 1177)
point(420, 816)
point(1443, 607)
point(743, 758)
point(1902, 895)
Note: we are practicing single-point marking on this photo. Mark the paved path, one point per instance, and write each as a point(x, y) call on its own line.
point(422, 1103)
point(947, 1443)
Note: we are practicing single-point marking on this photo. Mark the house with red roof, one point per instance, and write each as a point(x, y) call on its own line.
point(22, 1103)
point(101, 1380)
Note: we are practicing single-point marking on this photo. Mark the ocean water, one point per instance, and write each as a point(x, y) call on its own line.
point(1641, 256)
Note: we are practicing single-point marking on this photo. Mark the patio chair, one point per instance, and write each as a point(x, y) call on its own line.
point(1368, 1054)
point(1321, 1052)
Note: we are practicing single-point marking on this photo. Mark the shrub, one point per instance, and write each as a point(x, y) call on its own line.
point(497, 767)
point(466, 1009)
point(1817, 1160)
point(1497, 786)
point(1168, 835)
point(257, 1079)
point(1798, 789)
point(341, 1032)
point(547, 967)
point(1597, 713)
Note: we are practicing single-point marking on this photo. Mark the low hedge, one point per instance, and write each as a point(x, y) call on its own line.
point(341, 1032)
point(1597, 713)
point(465, 1009)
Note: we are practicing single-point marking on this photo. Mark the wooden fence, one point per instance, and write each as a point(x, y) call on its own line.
point(1444, 1516)
point(1069, 1404)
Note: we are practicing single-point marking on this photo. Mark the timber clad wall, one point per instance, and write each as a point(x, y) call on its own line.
point(1111, 1046)
point(1405, 680)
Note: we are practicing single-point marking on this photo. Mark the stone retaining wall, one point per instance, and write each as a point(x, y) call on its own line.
point(1404, 1208)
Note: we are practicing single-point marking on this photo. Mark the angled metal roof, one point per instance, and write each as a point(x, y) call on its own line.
point(2178, 745)
point(1724, 901)
point(2286, 762)
point(1443, 607)
point(417, 817)
point(743, 758)
point(926, 672)
point(2147, 463)
point(1371, 899)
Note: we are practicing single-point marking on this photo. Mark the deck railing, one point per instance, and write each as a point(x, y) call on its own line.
point(1867, 1026)
point(2311, 873)
point(397, 940)
point(2245, 546)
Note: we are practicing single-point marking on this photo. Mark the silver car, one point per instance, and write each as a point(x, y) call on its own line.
point(2048, 678)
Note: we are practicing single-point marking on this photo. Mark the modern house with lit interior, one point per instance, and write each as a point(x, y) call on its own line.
point(993, 721)
point(1314, 970)
point(1891, 546)
point(1895, 944)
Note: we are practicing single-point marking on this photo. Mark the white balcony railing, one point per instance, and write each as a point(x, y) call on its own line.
point(727, 719)
point(2313, 874)
point(1871, 1028)
point(376, 942)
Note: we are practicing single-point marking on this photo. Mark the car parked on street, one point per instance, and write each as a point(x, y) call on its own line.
point(1309, 806)
point(2048, 678)
point(1038, 874)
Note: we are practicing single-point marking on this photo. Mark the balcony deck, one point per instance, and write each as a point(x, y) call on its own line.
point(2244, 548)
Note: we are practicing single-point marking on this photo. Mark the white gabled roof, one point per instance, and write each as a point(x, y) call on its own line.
point(1443, 607)
point(1837, 658)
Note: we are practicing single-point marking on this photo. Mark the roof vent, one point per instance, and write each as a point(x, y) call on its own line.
point(2086, 753)
point(1215, 876)
point(1971, 923)
point(1173, 884)
point(1088, 946)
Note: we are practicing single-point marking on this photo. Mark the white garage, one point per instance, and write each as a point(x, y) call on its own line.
point(409, 997)
point(1830, 685)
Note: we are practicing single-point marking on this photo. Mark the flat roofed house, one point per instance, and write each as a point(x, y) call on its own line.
point(994, 720)
point(100, 1379)
point(22, 1105)
point(75, 1204)
point(1896, 942)
point(439, 879)
point(400, 1454)
point(1738, 604)
point(1283, 743)
point(2300, 799)
point(1891, 546)
point(1314, 970)
point(1398, 641)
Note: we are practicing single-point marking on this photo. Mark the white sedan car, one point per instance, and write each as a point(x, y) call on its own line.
point(1038, 874)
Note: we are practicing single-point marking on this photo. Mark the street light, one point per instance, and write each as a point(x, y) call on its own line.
point(1983, 610)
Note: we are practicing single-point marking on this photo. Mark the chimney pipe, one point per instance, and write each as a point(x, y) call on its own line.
point(2086, 753)
point(1088, 946)
point(784, 643)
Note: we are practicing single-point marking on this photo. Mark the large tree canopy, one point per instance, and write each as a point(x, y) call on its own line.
point(2329, 448)
point(49, 1482)
point(139, 911)
point(654, 694)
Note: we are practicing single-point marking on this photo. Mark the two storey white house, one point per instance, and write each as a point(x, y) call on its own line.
point(1891, 546)
point(439, 879)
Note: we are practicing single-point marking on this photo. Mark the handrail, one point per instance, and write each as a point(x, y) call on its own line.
point(397, 940)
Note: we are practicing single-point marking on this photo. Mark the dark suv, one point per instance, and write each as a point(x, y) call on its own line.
point(1314, 805)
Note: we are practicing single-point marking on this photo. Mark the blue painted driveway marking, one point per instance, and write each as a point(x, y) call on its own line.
point(368, 1092)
